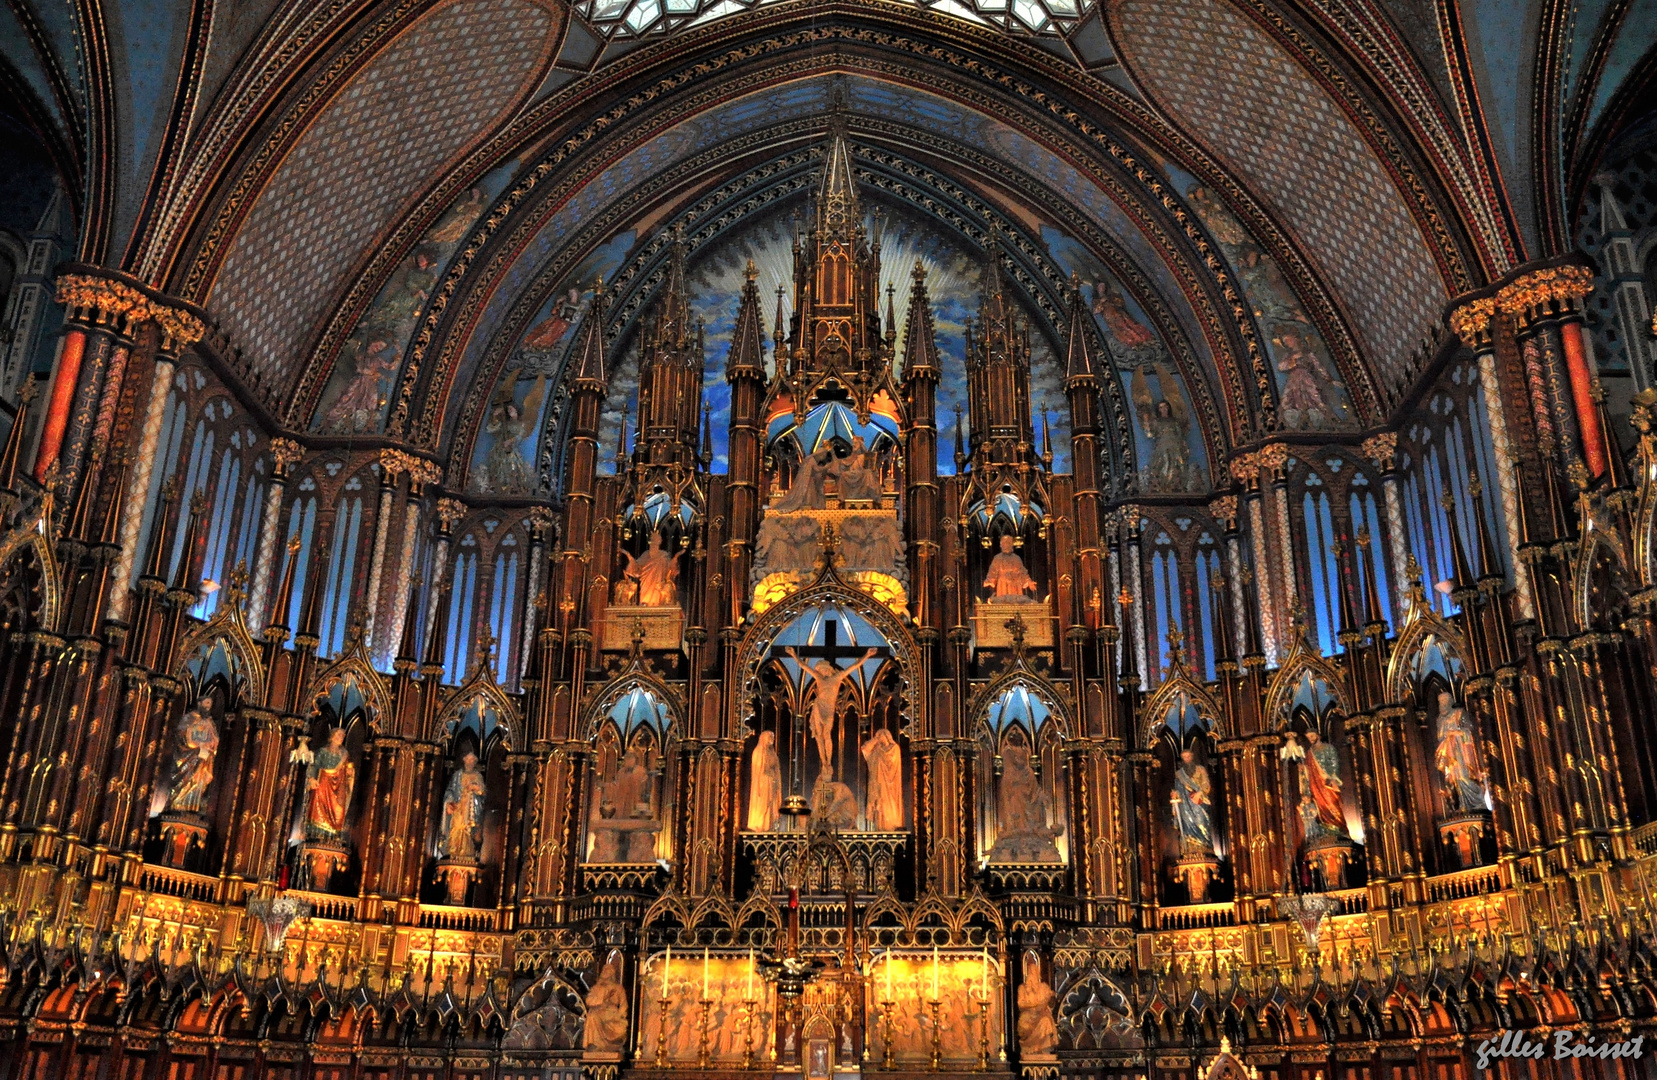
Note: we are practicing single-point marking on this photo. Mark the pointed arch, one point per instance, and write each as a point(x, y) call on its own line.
point(645, 701)
point(1181, 691)
point(828, 591)
point(225, 632)
point(30, 540)
point(477, 698)
point(353, 670)
point(1425, 631)
point(1303, 662)
point(999, 705)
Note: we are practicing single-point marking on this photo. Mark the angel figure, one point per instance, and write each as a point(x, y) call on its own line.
point(505, 472)
point(1132, 336)
point(1167, 425)
point(1305, 379)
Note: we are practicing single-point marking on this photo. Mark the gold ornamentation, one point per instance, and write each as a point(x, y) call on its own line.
point(1225, 508)
point(102, 296)
point(1552, 292)
point(1381, 448)
point(420, 470)
point(178, 328)
point(450, 511)
point(285, 452)
point(1471, 322)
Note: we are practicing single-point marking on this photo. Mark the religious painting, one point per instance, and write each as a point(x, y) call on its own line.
point(721, 998)
point(1168, 444)
point(1311, 395)
point(828, 730)
point(1023, 808)
point(903, 988)
point(630, 785)
point(1189, 805)
point(357, 394)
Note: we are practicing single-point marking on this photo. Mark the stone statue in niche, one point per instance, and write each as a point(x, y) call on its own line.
point(195, 746)
point(651, 579)
point(859, 480)
point(807, 492)
point(1191, 801)
point(1022, 832)
point(1457, 757)
point(463, 811)
point(606, 1029)
point(885, 784)
point(1038, 1033)
point(871, 542)
point(1008, 581)
point(764, 784)
point(329, 780)
point(623, 821)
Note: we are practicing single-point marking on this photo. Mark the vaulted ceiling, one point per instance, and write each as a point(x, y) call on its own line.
point(1339, 167)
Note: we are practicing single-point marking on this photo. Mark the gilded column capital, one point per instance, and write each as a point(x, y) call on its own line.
point(1381, 448)
point(285, 452)
point(1550, 293)
point(1473, 320)
point(178, 328)
point(1225, 509)
point(102, 299)
point(450, 511)
point(420, 471)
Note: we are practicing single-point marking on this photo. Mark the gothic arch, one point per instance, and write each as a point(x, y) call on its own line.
point(29, 540)
point(828, 590)
point(227, 628)
point(1302, 661)
point(1175, 689)
point(354, 668)
point(1058, 704)
point(611, 693)
point(1424, 629)
point(479, 688)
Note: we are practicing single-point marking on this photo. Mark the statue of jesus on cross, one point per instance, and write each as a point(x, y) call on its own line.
point(829, 679)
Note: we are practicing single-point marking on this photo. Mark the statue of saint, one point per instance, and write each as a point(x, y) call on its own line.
point(195, 745)
point(764, 784)
point(1322, 771)
point(606, 1010)
point(630, 791)
point(1008, 581)
point(870, 542)
point(657, 575)
point(463, 812)
point(885, 791)
point(1458, 756)
point(829, 681)
point(1191, 802)
point(1038, 1034)
point(1022, 832)
point(859, 481)
point(806, 493)
point(329, 780)
point(833, 806)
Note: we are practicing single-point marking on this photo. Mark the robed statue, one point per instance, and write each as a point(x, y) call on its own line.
point(463, 812)
point(1008, 581)
point(195, 745)
point(329, 780)
point(1038, 1034)
point(764, 784)
point(1191, 801)
point(859, 479)
point(1457, 756)
point(606, 1028)
point(654, 576)
point(807, 492)
point(1321, 769)
point(885, 786)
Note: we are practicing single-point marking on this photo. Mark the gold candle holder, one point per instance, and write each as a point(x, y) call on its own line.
point(702, 1037)
point(661, 1034)
point(984, 1034)
point(937, 1045)
point(748, 1034)
point(886, 1032)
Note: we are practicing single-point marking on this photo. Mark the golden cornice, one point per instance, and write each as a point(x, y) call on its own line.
point(1472, 321)
point(285, 452)
point(1551, 292)
point(104, 298)
point(450, 511)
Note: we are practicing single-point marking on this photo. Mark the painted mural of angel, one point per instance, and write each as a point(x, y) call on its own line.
point(504, 470)
point(1167, 424)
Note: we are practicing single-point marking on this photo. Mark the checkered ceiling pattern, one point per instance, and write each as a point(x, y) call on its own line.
point(1241, 95)
point(427, 96)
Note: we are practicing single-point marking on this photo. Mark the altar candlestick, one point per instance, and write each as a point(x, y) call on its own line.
point(888, 974)
point(934, 973)
point(704, 973)
point(667, 966)
point(984, 978)
point(748, 994)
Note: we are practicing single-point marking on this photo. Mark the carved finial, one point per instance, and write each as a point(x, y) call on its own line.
point(637, 646)
point(1363, 538)
point(1475, 487)
point(1124, 598)
point(1016, 627)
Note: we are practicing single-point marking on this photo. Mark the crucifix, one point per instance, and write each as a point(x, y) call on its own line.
point(819, 662)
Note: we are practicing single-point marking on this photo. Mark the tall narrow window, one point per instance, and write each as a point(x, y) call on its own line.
point(196, 476)
point(301, 526)
point(342, 568)
point(1484, 457)
point(1165, 585)
point(1208, 564)
point(253, 512)
point(173, 419)
point(503, 606)
point(462, 604)
point(1441, 569)
point(1366, 516)
point(1324, 568)
point(219, 524)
